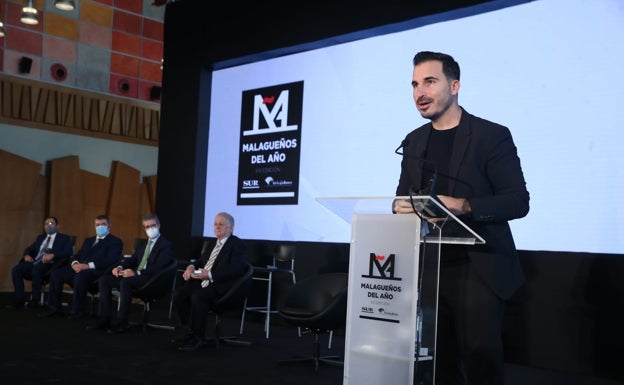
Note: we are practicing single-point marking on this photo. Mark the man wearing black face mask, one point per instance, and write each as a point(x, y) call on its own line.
point(38, 258)
point(133, 272)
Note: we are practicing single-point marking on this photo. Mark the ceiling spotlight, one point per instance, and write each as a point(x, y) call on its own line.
point(1, 25)
point(29, 13)
point(65, 5)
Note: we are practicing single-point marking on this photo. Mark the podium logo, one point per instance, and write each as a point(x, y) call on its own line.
point(380, 266)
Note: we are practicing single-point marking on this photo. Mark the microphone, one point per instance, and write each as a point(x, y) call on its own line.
point(404, 143)
point(430, 189)
point(428, 210)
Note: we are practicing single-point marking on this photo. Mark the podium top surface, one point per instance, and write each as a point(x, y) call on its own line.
point(458, 232)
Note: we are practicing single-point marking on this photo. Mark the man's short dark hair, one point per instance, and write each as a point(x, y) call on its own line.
point(449, 66)
point(103, 217)
point(150, 216)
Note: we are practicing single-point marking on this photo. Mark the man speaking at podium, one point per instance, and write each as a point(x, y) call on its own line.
point(478, 177)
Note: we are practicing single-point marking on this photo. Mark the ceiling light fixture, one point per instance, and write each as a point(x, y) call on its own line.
point(65, 5)
point(29, 13)
point(1, 25)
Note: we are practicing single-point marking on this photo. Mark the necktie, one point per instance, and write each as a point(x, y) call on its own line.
point(43, 249)
point(211, 261)
point(146, 253)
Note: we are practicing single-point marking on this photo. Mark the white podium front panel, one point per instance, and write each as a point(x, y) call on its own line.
point(382, 299)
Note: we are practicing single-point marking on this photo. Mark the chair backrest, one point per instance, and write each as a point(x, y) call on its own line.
point(285, 252)
point(159, 285)
point(259, 253)
point(138, 243)
point(237, 292)
point(318, 302)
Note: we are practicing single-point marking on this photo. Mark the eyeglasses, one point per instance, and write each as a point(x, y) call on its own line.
point(50, 223)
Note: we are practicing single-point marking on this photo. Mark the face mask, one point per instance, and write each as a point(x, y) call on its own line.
point(101, 230)
point(50, 230)
point(152, 232)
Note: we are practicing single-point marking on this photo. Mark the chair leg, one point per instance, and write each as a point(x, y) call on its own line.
point(243, 317)
point(146, 324)
point(267, 319)
point(218, 339)
point(316, 357)
point(175, 280)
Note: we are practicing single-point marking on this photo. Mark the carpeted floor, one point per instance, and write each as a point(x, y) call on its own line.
point(60, 351)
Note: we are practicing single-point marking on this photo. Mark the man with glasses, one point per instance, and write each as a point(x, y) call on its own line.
point(133, 272)
point(38, 259)
point(221, 264)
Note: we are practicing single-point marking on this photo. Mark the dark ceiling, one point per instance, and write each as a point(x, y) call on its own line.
point(238, 28)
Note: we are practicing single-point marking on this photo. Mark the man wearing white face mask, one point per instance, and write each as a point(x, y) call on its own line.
point(96, 255)
point(133, 272)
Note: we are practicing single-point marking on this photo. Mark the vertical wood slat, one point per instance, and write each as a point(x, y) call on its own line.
point(65, 198)
point(95, 195)
point(22, 204)
point(125, 203)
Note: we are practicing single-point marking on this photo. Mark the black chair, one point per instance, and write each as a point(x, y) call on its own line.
point(283, 262)
point(233, 299)
point(318, 304)
point(159, 286)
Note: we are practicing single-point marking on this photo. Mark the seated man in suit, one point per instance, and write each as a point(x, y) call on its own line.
point(133, 272)
point(38, 259)
point(95, 256)
point(220, 265)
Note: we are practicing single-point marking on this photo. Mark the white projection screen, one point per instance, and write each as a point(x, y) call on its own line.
point(550, 70)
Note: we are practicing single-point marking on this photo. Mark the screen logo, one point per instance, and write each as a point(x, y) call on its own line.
point(270, 145)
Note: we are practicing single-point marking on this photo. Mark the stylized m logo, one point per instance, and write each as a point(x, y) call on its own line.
point(381, 267)
point(279, 113)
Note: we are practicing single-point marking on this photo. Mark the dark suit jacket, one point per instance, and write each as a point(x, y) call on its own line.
point(160, 256)
point(484, 168)
point(229, 265)
point(62, 247)
point(104, 254)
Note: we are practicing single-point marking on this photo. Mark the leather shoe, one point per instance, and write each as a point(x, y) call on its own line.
point(193, 346)
point(51, 312)
point(100, 325)
point(33, 305)
point(16, 306)
point(77, 316)
point(120, 328)
point(184, 339)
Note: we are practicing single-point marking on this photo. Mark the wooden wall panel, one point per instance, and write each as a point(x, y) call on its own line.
point(22, 207)
point(146, 203)
point(75, 196)
point(66, 198)
point(124, 205)
point(95, 194)
point(150, 183)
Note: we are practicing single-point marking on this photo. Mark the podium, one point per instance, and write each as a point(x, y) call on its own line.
point(392, 300)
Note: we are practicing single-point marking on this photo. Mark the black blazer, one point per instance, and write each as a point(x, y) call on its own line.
point(484, 168)
point(106, 253)
point(229, 265)
point(61, 248)
point(160, 256)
